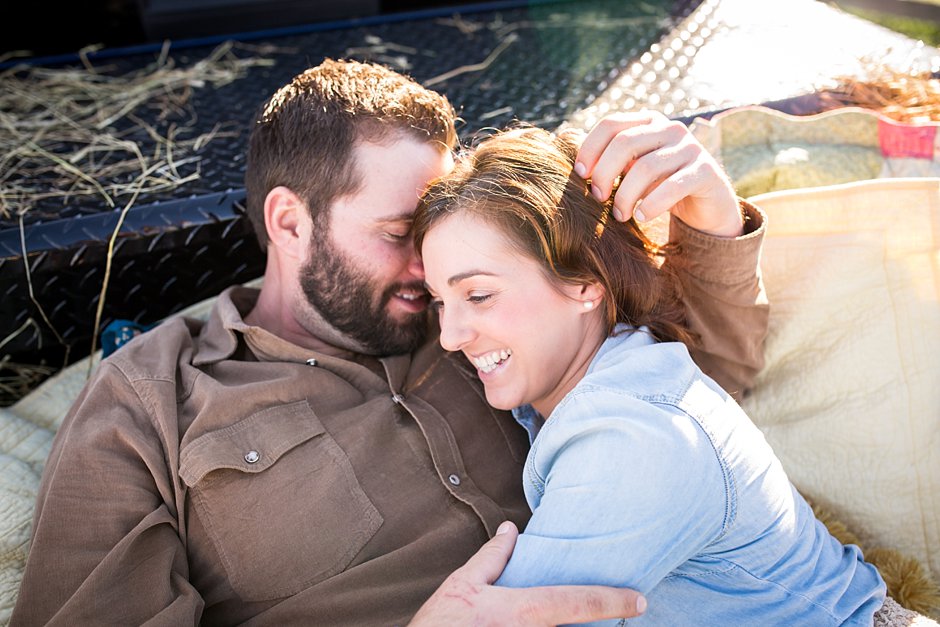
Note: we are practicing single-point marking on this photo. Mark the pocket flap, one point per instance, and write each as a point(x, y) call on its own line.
point(250, 445)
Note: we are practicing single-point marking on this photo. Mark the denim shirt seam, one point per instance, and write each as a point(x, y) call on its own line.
point(537, 483)
point(530, 471)
point(726, 472)
point(673, 400)
point(531, 474)
point(729, 566)
point(732, 565)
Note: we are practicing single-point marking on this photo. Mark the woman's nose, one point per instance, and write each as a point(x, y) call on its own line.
point(455, 333)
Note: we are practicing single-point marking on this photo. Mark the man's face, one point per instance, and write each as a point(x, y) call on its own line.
point(362, 273)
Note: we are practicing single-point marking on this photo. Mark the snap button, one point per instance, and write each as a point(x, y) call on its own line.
point(454, 480)
point(398, 398)
point(311, 362)
point(252, 457)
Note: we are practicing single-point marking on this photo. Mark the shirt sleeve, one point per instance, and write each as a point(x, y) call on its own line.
point(627, 498)
point(105, 545)
point(725, 301)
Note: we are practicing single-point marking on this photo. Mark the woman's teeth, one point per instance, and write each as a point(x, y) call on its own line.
point(488, 363)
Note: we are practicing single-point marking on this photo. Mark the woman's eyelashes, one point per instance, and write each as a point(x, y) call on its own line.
point(475, 299)
point(478, 299)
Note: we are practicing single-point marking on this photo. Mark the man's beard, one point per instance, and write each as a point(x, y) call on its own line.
point(345, 297)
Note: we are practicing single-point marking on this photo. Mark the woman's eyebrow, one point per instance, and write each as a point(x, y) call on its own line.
point(457, 278)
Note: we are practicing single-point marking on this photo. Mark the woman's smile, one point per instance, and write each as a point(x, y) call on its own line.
point(529, 337)
point(489, 362)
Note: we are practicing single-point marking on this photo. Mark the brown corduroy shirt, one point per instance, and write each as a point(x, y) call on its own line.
point(214, 473)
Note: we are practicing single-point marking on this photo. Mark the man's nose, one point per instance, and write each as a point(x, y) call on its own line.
point(415, 266)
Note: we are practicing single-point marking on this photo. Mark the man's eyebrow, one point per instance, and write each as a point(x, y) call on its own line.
point(405, 216)
point(457, 278)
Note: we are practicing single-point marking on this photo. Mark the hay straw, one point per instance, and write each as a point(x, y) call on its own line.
point(69, 133)
point(32, 296)
point(16, 380)
point(79, 132)
point(382, 51)
point(910, 97)
point(107, 268)
point(30, 322)
point(506, 32)
point(583, 21)
point(21, 377)
point(476, 67)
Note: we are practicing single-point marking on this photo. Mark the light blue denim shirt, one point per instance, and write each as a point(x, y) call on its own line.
point(649, 476)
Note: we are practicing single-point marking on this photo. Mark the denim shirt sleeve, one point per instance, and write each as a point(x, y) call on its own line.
point(623, 492)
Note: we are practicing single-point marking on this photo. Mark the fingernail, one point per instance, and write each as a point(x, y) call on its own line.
point(618, 215)
point(639, 215)
point(596, 191)
point(580, 169)
point(640, 604)
point(504, 528)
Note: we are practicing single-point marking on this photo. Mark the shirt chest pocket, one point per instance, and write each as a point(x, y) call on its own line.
point(279, 500)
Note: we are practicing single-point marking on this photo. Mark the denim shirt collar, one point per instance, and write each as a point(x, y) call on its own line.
point(532, 421)
point(623, 338)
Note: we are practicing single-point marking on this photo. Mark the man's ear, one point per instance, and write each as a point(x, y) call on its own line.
point(287, 221)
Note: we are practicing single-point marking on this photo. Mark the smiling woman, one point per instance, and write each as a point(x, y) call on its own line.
point(643, 472)
point(484, 292)
point(586, 271)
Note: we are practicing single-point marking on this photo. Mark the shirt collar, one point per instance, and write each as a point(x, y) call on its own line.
point(219, 337)
point(530, 420)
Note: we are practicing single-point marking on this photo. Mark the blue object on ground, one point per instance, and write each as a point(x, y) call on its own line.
point(119, 333)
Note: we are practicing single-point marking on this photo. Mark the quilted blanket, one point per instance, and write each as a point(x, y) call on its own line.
point(850, 395)
point(764, 150)
point(26, 432)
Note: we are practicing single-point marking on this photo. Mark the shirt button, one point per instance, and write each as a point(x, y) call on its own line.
point(311, 362)
point(252, 457)
point(454, 480)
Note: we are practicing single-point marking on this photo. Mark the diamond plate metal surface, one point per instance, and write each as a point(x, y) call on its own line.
point(180, 247)
point(548, 63)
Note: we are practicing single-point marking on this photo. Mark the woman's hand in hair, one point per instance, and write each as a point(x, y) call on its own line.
point(663, 168)
point(468, 597)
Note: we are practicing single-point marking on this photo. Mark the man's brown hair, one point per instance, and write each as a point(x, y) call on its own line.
point(522, 182)
point(304, 135)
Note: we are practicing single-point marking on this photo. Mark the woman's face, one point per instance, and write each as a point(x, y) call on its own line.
point(530, 339)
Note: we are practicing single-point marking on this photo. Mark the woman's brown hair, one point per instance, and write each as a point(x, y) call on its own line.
point(522, 182)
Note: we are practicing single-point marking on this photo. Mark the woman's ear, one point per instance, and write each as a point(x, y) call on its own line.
point(287, 221)
point(591, 296)
point(588, 296)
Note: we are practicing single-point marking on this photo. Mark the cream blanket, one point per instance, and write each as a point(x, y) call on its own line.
point(26, 433)
point(850, 396)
